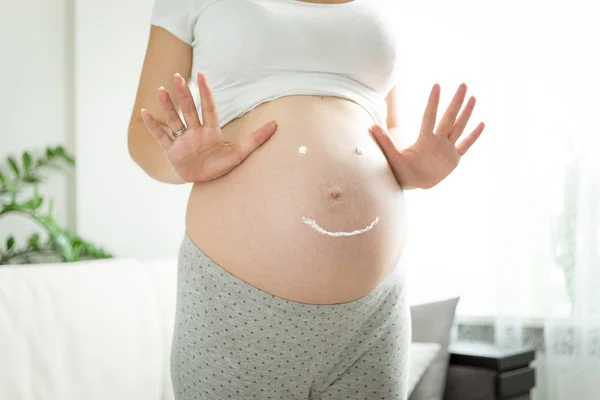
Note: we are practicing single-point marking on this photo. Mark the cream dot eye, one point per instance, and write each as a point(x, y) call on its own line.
point(302, 150)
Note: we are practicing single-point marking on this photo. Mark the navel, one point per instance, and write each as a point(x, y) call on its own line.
point(334, 192)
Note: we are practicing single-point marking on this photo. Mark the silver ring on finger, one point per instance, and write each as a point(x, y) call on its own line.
point(179, 132)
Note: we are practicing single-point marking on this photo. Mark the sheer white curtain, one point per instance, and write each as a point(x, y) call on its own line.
point(556, 218)
point(515, 231)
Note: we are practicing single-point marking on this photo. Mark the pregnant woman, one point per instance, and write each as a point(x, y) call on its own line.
point(287, 280)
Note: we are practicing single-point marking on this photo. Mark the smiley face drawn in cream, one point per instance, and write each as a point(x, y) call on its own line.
point(313, 224)
point(319, 229)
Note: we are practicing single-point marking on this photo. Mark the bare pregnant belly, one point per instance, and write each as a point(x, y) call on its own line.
point(321, 227)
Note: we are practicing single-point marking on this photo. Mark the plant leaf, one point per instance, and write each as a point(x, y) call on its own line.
point(8, 184)
point(31, 179)
point(61, 152)
point(10, 242)
point(34, 203)
point(62, 245)
point(14, 166)
point(34, 241)
point(26, 161)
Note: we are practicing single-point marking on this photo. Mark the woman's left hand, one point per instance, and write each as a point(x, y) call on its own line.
point(435, 154)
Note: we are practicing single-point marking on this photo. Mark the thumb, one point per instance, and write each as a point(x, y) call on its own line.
point(385, 140)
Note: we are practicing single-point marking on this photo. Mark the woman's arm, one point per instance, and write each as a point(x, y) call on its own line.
point(165, 56)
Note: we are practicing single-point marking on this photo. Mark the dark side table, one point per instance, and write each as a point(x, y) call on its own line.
point(482, 371)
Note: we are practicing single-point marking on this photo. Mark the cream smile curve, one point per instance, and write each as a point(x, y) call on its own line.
point(319, 229)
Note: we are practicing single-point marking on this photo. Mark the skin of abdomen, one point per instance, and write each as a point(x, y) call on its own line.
point(254, 221)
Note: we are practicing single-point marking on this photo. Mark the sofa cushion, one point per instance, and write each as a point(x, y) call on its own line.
point(432, 323)
point(421, 356)
point(91, 330)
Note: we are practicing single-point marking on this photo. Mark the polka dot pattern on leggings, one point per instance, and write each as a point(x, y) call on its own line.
point(234, 341)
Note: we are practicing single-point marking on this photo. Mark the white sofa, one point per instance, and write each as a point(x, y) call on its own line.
point(96, 330)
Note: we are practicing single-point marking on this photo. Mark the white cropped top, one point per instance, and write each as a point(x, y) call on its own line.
point(253, 51)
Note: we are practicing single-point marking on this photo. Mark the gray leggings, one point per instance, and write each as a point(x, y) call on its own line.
point(235, 341)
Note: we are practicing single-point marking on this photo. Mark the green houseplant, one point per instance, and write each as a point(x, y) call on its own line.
point(16, 177)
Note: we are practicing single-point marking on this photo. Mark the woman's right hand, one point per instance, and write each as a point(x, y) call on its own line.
point(199, 154)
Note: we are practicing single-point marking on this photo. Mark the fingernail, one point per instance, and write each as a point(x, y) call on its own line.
point(161, 88)
point(178, 78)
point(274, 123)
point(143, 110)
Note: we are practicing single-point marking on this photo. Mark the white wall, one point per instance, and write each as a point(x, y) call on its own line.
point(35, 70)
point(46, 102)
point(118, 206)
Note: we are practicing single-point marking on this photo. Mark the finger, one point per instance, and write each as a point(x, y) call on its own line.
point(461, 123)
point(430, 114)
point(447, 121)
point(156, 130)
point(256, 139)
point(186, 102)
point(210, 117)
point(385, 140)
point(467, 142)
point(173, 121)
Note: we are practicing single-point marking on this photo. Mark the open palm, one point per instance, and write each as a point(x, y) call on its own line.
point(435, 154)
point(199, 153)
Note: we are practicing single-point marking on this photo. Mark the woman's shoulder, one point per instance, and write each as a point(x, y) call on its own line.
point(178, 16)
